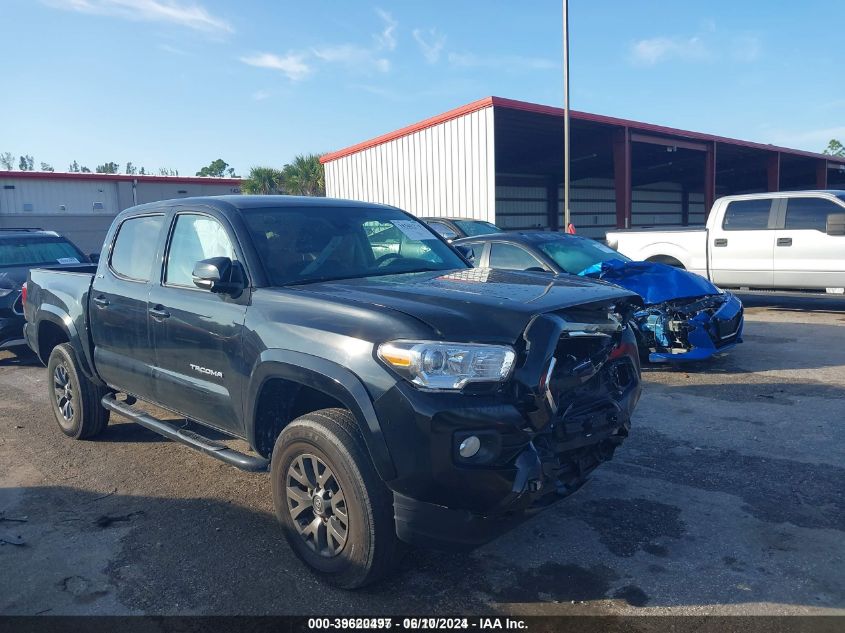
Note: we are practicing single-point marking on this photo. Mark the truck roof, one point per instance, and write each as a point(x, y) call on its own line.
point(25, 232)
point(255, 202)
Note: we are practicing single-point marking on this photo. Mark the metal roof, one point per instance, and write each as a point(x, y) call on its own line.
point(511, 104)
point(54, 175)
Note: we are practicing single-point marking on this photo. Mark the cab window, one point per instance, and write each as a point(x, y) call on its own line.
point(445, 231)
point(136, 241)
point(809, 213)
point(747, 215)
point(195, 237)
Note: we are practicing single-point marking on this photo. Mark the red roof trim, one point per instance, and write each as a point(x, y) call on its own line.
point(525, 106)
point(177, 180)
point(469, 108)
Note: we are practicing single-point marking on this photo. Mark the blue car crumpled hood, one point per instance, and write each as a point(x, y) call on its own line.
point(655, 283)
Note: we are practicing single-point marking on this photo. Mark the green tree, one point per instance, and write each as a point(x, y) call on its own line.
point(263, 181)
point(166, 171)
point(46, 166)
point(305, 176)
point(130, 169)
point(143, 171)
point(834, 148)
point(7, 159)
point(73, 167)
point(216, 169)
point(107, 168)
point(27, 163)
point(84, 170)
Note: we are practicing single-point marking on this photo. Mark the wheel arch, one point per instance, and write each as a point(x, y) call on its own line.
point(310, 377)
point(54, 328)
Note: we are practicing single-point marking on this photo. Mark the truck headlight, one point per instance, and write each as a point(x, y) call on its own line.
point(442, 365)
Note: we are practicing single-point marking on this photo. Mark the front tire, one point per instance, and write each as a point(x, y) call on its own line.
point(335, 510)
point(75, 399)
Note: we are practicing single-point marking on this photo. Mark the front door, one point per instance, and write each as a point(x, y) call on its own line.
point(117, 306)
point(742, 249)
point(198, 333)
point(805, 255)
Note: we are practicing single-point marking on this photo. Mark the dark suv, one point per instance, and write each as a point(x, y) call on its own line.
point(20, 250)
point(395, 393)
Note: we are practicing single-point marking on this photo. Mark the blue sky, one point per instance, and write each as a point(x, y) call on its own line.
point(178, 83)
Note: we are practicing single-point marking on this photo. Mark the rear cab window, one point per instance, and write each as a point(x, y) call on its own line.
point(747, 215)
point(137, 238)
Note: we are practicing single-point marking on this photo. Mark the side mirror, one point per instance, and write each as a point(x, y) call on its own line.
point(218, 274)
point(94, 257)
point(536, 269)
point(835, 224)
point(467, 252)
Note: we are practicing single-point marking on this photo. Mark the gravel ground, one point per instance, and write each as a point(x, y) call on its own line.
point(728, 498)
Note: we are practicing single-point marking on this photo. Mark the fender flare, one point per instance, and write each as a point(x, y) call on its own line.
point(52, 314)
point(666, 249)
point(333, 380)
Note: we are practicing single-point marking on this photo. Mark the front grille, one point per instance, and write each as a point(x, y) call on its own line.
point(17, 307)
point(726, 329)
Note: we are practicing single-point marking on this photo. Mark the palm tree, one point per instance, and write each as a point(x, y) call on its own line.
point(305, 176)
point(263, 181)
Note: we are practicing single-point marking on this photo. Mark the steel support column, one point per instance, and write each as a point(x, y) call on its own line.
point(821, 174)
point(622, 176)
point(685, 207)
point(709, 178)
point(773, 172)
point(552, 204)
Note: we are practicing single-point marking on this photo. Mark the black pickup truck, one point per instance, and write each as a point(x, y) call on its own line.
point(395, 394)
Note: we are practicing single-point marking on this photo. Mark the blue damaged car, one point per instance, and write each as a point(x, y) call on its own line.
point(684, 317)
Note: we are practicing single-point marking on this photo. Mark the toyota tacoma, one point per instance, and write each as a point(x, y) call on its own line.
point(394, 393)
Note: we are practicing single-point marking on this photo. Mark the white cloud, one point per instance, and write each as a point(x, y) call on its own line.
point(260, 95)
point(387, 38)
point(356, 58)
point(167, 48)
point(292, 65)
point(187, 14)
point(651, 51)
point(502, 62)
point(813, 140)
point(431, 43)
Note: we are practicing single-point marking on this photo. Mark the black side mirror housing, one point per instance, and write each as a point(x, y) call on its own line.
point(467, 252)
point(94, 257)
point(218, 274)
point(835, 224)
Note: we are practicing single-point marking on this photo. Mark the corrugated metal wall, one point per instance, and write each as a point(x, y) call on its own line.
point(444, 170)
point(83, 209)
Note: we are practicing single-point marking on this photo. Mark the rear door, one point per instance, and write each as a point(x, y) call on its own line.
point(117, 307)
point(742, 248)
point(197, 333)
point(805, 255)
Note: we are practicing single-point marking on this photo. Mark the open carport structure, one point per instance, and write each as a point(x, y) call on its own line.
point(502, 160)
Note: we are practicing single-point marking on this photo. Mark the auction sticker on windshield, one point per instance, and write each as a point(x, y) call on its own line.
point(67, 260)
point(413, 230)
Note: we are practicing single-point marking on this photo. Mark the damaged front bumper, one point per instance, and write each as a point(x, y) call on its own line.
point(568, 409)
point(691, 330)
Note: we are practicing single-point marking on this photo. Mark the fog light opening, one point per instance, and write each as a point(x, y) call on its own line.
point(469, 446)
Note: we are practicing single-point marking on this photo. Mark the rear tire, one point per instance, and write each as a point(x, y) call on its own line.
point(335, 510)
point(75, 399)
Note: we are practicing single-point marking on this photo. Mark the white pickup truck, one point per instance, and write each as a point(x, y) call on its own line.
point(789, 240)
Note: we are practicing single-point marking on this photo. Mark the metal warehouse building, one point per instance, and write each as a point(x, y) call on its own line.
point(502, 160)
point(82, 206)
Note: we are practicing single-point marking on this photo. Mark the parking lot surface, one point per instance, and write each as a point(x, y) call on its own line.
point(729, 497)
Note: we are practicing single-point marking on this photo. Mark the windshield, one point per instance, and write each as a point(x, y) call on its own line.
point(576, 254)
point(38, 251)
point(476, 227)
point(302, 245)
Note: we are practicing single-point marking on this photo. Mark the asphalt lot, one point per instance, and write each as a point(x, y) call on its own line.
point(729, 497)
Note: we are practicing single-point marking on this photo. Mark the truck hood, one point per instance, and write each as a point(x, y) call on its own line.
point(477, 304)
point(655, 283)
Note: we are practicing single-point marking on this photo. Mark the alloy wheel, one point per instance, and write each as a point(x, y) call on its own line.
point(63, 389)
point(317, 505)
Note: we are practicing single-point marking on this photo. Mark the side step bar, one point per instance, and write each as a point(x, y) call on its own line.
point(251, 463)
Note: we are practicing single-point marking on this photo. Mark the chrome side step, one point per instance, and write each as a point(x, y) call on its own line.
point(251, 463)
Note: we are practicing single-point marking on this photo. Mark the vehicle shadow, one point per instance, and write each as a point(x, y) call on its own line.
point(19, 357)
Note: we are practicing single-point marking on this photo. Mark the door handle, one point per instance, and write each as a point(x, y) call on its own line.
point(159, 313)
point(101, 301)
point(784, 241)
point(720, 241)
